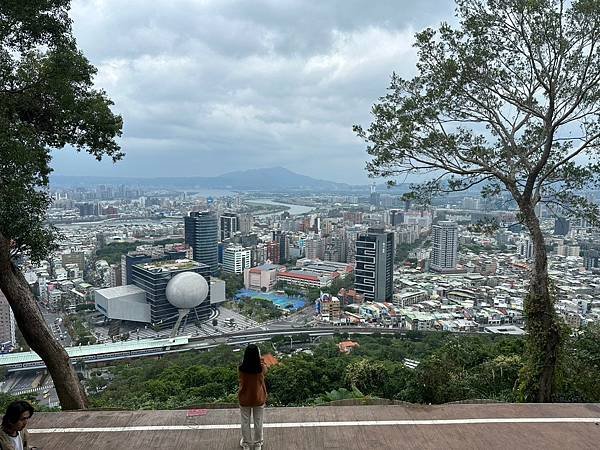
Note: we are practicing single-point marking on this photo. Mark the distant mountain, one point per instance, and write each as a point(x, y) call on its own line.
point(267, 179)
point(273, 178)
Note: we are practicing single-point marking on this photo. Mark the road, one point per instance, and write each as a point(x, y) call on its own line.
point(54, 321)
point(301, 318)
point(223, 316)
point(188, 328)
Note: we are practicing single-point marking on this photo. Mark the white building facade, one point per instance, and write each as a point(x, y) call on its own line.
point(444, 252)
point(236, 259)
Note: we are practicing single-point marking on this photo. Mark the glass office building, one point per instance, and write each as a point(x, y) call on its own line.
point(202, 234)
point(153, 278)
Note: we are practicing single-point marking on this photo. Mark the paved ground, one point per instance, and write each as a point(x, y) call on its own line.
point(496, 426)
point(189, 328)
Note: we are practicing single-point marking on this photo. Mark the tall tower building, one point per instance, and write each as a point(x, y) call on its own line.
point(273, 253)
point(230, 224)
point(444, 252)
point(591, 260)
point(245, 222)
point(8, 325)
point(375, 264)
point(315, 248)
point(202, 234)
point(526, 249)
point(284, 246)
point(561, 226)
point(396, 217)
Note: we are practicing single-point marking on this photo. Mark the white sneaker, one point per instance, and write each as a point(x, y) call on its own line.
point(258, 446)
point(244, 445)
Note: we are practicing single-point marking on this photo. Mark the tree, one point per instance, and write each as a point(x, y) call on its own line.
point(508, 102)
point(366, 375)
point(582, 366)
point(346, 282)
point(312, 294)
point(47, 102)
point(233, 283)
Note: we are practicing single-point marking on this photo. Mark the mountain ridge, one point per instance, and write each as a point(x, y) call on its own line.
point(267, 178)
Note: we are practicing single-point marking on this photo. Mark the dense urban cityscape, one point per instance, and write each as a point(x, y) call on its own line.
point(300, 259)
point(299, 225)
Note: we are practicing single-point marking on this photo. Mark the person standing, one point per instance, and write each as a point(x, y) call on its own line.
point(13, 435)
point(252, 396)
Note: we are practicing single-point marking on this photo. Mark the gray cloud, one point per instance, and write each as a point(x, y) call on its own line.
point(206, 87)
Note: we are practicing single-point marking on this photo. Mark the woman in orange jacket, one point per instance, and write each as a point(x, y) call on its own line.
point(252, 396)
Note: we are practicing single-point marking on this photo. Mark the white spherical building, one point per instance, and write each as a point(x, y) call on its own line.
point(187, 290)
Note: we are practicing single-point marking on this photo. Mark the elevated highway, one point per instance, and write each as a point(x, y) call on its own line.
point(102, 353)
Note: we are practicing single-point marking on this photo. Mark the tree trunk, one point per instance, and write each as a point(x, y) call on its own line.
point(37, 334)
point(543, 328)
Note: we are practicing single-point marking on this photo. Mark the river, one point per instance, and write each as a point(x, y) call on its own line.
point(294, 210)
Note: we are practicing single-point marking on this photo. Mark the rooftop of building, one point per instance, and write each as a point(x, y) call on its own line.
point(266, 267)
point(300, 274)
point(504, 329)
point(170, 265)
point(119, 291)
point(452, 426)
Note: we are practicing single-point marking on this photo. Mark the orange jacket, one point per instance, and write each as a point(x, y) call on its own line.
point(253, 391)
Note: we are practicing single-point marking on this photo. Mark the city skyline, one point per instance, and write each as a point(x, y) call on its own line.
point(250, 208)
point(271, 90)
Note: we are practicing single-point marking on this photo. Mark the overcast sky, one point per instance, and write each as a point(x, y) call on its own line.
point(210, 86)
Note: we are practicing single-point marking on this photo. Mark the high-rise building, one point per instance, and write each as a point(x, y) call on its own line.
point(229, 225)
point(375, 264)
point(8, 325)
point(539, 210)
point(396, 217)
point(591, 260)
point(202, 234)
point(351, 246)
point(273, 252)
point(236, 259)
point(315, 248)
point(526, 249)
point(375, 197)
point(284, 246)
point(353, 217)
point(259, 254)
point(444, 251)
point(335, 248)
point(245, 222)
point(561, 226)
point(316, 226)
point(88, 209)
point(153, 278)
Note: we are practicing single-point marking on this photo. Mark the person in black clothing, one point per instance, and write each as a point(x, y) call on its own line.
point(13, 435)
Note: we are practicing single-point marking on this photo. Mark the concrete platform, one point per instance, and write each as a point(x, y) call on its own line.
point(488, 426)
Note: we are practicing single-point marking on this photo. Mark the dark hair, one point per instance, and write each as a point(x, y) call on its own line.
point(14, 411)
point(251, 362)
